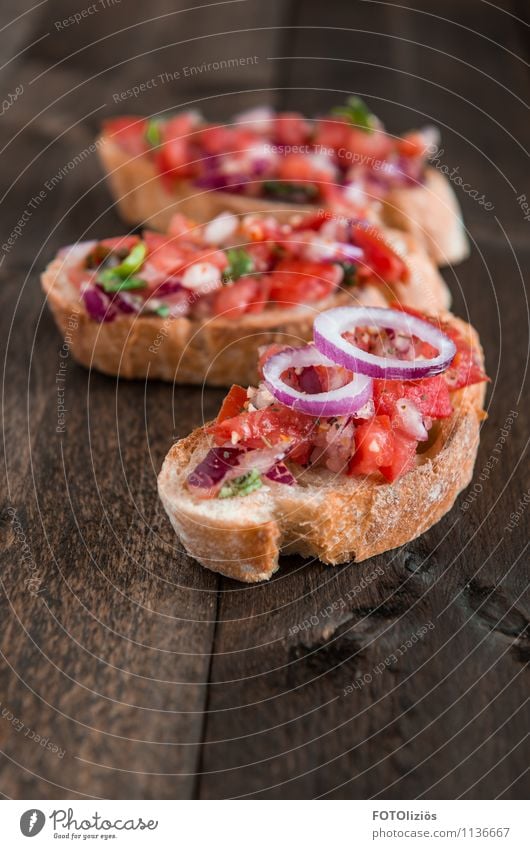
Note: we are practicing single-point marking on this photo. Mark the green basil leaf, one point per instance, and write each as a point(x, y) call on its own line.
point(112, 282)
point(153, 132)
point(291, 192)
point(350, 274)
point(240, 263)
point(357, 113)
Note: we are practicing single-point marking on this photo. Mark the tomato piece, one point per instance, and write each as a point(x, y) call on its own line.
point(297, 281)
point(412, 145)
point(263, 255)
point(266, 427)
point(216, 139)
point(313, 221)
point(301, 453)
point(466, 367)
point(266, 353)
point(368, 147)
point(291, 128)
point(430, 395)
point(180, 225)
point(120, 243)
point(233, 403)
point(300, 168)
point(380, 259)
point(403, 458)
point(183, 124)
point(374, 446)
point(332, 133)
point(129, 132)
point(243, 296)
point(174, 158)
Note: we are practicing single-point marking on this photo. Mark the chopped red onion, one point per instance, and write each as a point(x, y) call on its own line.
point(281, 474)
point(98, 304)
point(215, 466)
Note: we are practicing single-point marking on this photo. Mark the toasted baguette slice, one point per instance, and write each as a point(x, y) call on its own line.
point(334, 518)
point(431, 215)
point(217, 351)
point(429, 212)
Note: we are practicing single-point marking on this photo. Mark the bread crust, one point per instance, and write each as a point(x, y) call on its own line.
point(335, 519)
point(217, 351)
point(430, 213)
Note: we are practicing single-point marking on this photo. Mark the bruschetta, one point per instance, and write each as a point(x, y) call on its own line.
point(326, 462)
point(282, 163)
point(194, 305)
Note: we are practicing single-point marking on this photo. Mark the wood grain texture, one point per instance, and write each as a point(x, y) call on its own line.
point(157, 679)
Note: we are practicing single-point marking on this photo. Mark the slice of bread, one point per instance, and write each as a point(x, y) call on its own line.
point(431, 215)
point(429, 212)
point(217, 351)
point(332, 517)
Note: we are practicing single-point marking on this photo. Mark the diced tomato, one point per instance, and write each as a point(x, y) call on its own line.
point(412, 144)
point(233, 403)
point(120, 243)
point(298, 282)
point(244, 296)
point(374, 446)
point(183, 124)
point(380, 259)
point(332, 133)
point(180, 225)
point(129, 132)
point(313, 221)
point(266, 353)
point(259, 228)
point(266, 427)
point(368, 147)
point(291, 128)
point(430, 395)
point(175, 158)
point(466, 367)
point(170, 255)
point(301, 453)
point(219, 139)
point(263, 255)
point(403, 458)
point(300, 168)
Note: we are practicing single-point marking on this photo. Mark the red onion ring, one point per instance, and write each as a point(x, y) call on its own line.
point(330, 325)
point(337, 402)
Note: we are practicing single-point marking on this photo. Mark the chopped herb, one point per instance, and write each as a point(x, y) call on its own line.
point(357, 113)
point(350, 274)
point(153, 133)
point(113, 283)
point(121, 277)
point(240, 263)
point(291, 192)
point(243, 485)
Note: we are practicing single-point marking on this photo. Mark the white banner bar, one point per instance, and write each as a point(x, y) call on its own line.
point(262, 824)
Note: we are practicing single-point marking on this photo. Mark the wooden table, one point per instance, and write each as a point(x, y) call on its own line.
point(151, 677)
